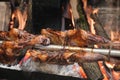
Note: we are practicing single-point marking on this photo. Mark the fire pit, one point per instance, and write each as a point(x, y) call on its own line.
point(74, 39)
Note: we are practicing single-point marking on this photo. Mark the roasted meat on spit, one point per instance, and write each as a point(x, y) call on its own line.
point(67, 57)
point(15, 34)
point(73, 37)
point(9, 50)
point(16, 41)
point(70, 37)
point(23, 37)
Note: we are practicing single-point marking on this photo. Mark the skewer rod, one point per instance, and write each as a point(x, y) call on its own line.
point(115, 53)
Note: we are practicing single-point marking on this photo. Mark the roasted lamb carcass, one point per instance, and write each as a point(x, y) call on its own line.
point(16, 42)
point(12, 52)
point(67, 57)
point(73, 37)
point(23, 37)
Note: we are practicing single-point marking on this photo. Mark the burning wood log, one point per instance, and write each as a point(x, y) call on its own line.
point(99, 27)
point(89, 68)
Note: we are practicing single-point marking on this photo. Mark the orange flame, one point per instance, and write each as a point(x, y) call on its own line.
point(68, 13)
point(95, 11)
point(82, 73)
point(115, 35)
point(102, 68)
point(89, 10)
point(116, 75)
point(26, 57)
point(21, 17)
point(110, 65)
point(73, 22)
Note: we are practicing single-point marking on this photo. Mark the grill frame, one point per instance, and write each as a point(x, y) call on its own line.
point(9, 74)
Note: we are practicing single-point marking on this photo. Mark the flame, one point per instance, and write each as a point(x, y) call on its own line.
point(95, 11)
point(26, 57)
point(102, 68)
point(68, 13)
point(82, 73)
point(111, 35)
point(89, 10)
point(116, 75)
point(110, 65)
point(72, 18)
point(114, 35)
point(21, 17)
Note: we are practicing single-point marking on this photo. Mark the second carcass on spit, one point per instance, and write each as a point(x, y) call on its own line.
point(75, 37)
point(67, 57)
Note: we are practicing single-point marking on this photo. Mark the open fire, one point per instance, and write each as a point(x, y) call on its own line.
point(19, 16)
point(65, 61)
point(107, 75)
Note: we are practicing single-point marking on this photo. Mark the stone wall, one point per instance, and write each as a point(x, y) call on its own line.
point(5, 13)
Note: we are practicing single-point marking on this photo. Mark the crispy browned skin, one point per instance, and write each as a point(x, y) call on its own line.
point(4, 35)
point(40, 39)
point(15, 34)
point(73, 37)
point(68, 57)
point(23, 37)
point(65, 57)
point(15, 41)
point(9, 50)
point(10, 47)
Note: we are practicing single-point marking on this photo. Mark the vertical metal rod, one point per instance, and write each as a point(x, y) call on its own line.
point(63, 24)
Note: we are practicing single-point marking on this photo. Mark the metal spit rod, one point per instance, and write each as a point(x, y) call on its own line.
point(115, 53)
